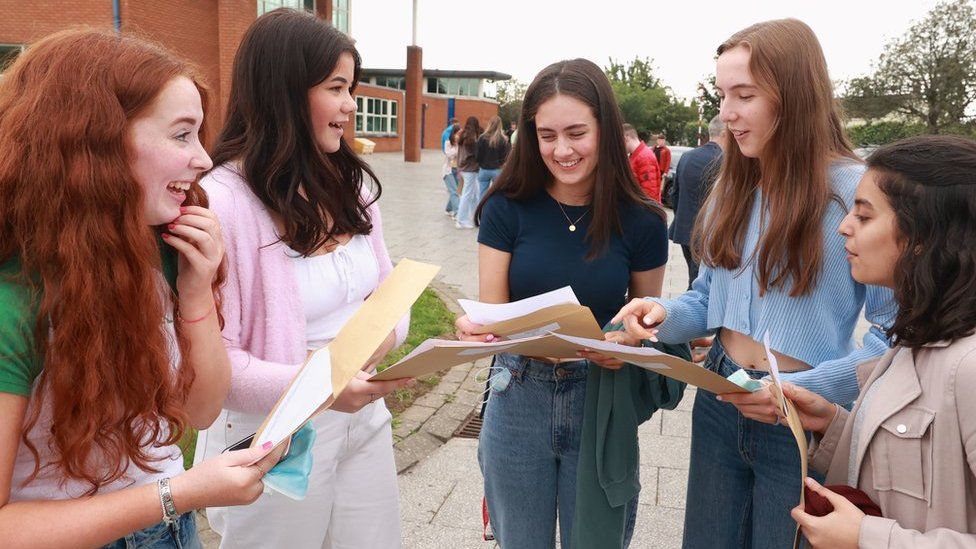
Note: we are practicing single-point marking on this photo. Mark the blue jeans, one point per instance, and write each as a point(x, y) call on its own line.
point(181, 535)
point(529, 448)
point(486, 178)
point(744, 476)
point(450, 181)
point(470, 196)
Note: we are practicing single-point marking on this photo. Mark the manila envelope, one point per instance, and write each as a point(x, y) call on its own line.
point(567, 318)
point(357, 340)
point(435, 355)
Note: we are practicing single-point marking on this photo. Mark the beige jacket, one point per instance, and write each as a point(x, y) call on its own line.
point(916, 449)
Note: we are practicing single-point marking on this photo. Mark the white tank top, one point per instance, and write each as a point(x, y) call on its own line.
point(333, 286)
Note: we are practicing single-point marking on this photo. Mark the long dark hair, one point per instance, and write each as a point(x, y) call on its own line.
point(930, 183)
point(788, 64)
point(283, 55)
point(472, 130)
point(525, 174)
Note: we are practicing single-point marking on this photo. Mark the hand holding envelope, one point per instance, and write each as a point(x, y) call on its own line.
point(329, 371)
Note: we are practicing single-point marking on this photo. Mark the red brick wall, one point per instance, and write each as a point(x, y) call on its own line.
point(383, 144)
point(25, 22)
point(435, 120)
point(188, 28)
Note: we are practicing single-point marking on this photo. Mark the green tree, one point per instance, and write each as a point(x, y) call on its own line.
point(509, 95)
point(646, 103)
point(708, 98)
point(928, 74)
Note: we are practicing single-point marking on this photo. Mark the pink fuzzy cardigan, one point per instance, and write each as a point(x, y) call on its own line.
point(264, 320)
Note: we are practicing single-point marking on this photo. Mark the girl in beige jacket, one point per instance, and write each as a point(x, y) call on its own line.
point(910, 441)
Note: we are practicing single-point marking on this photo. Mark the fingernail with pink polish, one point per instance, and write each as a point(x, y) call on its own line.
point(489, 338)
point(266, 445)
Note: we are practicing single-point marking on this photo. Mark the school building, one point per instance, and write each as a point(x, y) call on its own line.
point(209, 31)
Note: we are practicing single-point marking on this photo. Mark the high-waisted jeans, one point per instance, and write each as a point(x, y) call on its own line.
point(529, 448)
point(744, 476)
point(182, 534)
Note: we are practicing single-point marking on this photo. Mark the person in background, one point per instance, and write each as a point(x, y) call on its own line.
point(643, 164)
point(513, 134)
point(663, 154)
point(446, 134)
point(468, 166)
point(693, 179)
point(110, 264)
point(449, 172)
point(772, 265)
point(492, 150)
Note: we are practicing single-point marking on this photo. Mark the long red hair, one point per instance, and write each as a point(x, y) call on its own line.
point(71, 212)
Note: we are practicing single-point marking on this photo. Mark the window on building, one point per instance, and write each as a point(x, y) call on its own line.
point(398, 82)
point(376, 116)
point(264, 6)
point(453, 86)
point(9, 52)
point(340, 15)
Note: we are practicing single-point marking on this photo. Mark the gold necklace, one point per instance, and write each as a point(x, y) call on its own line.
point(572, 224)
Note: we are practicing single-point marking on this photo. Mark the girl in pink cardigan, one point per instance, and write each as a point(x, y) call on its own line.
point(304, 249)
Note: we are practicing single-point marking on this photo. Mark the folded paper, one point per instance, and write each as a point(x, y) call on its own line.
point(329, 370)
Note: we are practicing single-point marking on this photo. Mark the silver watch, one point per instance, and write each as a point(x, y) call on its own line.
point(166, 500)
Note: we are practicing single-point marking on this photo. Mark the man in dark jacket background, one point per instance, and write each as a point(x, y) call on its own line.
point(693, 178)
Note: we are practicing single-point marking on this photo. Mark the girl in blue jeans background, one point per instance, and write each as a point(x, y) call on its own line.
point(492, 150)
point(564, 211)
point(772, 262)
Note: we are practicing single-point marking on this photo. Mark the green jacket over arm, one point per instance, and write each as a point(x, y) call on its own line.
point(608, 473)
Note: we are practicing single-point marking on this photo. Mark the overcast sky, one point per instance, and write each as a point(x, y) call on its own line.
point(520, 37)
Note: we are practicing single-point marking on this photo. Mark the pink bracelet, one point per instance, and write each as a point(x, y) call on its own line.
point(185, 321)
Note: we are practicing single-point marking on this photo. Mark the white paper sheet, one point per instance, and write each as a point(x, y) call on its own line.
point(309, 391)
point(773, 367)
point(489, 313)
point(603, 345)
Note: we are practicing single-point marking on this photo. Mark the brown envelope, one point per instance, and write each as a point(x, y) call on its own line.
point(365, 332)
point(435, 355)
point(566, 318)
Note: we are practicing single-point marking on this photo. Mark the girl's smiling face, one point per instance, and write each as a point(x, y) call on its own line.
point(748, 112)
point(165, 153)
point(569, 139)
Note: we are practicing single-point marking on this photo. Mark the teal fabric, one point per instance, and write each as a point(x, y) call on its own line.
point(290, 475)
point(608, 474)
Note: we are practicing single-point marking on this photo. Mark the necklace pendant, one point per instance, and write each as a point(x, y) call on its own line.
point(572, 228)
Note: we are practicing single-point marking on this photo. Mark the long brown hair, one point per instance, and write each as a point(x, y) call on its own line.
point(525, 173)
point(494, 133)
point(789, 66)
point(71, 212)
point(283, 55)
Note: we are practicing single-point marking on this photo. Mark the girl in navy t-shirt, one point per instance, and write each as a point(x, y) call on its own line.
point(565, 210)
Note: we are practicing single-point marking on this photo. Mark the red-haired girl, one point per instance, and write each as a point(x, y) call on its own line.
point(109, 337)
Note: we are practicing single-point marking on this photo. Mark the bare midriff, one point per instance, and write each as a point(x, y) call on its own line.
point(751, 354)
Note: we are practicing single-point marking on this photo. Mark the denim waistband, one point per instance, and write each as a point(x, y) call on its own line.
point(523, 366)
point(721, 363)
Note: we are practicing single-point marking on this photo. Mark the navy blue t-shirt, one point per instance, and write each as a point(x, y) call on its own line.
point(546, 255)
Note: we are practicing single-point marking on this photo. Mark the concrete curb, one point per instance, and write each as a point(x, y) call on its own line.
point(432, 419)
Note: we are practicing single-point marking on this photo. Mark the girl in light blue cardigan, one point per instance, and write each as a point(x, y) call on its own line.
point(772, 262)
